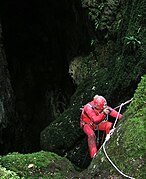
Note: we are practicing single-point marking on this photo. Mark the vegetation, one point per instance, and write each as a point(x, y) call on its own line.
point(35, 165)
point(7, 174)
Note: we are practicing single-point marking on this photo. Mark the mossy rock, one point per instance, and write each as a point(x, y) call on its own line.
point(36, 165)
point(127, 147)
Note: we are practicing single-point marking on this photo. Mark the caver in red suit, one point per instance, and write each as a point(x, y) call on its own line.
point(93, 114)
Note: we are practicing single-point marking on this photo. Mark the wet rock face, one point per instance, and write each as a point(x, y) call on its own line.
point(6, 98)
point(40, 39)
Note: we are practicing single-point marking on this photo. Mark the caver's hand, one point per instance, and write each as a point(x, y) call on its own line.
point(107, 111)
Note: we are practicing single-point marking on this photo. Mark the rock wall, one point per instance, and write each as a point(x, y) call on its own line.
point(6, 101)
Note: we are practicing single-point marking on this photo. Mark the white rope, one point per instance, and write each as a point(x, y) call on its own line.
point(124, 103)
point(108, 137)
point(114, 164)
point(120, 107)
point(118, 115)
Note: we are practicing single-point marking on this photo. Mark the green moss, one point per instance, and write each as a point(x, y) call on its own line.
point(134, 144)
point(7, 174)
point(131, 139)
point(35, 165)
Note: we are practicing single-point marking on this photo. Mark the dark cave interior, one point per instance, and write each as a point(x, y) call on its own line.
point(40, 38)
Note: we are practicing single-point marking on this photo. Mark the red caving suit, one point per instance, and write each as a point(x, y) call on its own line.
point(89, 119)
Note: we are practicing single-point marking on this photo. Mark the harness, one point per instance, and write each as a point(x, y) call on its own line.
point(90, 123)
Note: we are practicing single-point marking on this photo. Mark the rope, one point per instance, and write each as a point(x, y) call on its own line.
point(124, 103)
point(120, 107)
point(118, 115)
point(114, 164)
point(108, 137)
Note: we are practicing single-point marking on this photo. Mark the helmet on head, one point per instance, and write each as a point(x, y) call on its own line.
point(100, 102)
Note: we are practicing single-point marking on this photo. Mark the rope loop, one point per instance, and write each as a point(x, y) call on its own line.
point(108, 137)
